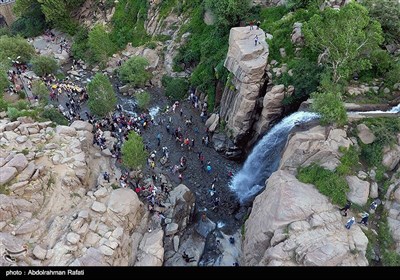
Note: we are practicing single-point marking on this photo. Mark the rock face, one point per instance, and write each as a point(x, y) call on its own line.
point(391, 155)
point(392, 205)
point(318, 144)
point(246, 62)
point(359, 190)
point(291, 223)
point(56, 203)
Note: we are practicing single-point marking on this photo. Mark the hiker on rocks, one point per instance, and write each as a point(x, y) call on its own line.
point(346, 208)
point(106, 176)
point(180, 176)
point(364, 218)
point(350, 222)
point(208, 168)
point(187, 258)
point(258, 24)
point(373, 206)
point(256, 40)
point(158, 139)
point(251, 25)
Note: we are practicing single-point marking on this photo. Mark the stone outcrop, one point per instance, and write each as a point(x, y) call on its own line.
point(319, 144)
point(61, 205)
point(291, 223)
point(365, 134)
point(391, 155)
point(359, 190)
point(246, 62)
point(392, 205)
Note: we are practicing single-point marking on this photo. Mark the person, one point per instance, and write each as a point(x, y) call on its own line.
point(158, 139)
point(373, 205)
point(208, 168)
point(346, 208)
point(106, 176)
point(232, 240)
point(256, 40)
point(258, 24)
point(180, 177)
point(251, 25)
point(364, 218)
point(350, 222)
point(187, 258)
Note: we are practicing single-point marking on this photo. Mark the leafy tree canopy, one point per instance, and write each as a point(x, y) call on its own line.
point(44, 65)
point(330, 106)
point(100, 44)
point(345, 37)
point(228, 12)
point(133, 71)
point(134, 154)
point(102, 98)
point(4, 83)
point(13, 47)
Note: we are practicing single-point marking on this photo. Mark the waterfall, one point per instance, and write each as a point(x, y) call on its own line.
point(265, 157)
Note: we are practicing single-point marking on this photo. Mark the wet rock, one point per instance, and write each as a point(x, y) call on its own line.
point(176, 243)
point(204, 227)
point(171, 229)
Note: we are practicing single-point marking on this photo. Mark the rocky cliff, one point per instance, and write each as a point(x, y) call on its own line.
point(292, 223)
point(246, 61)
point(56, 209)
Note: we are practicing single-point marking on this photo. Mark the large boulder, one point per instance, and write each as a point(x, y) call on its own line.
point(359, 190)
point(124, 202)
point(391, 157)
point(365, 134)
point(19, 161)
point(81, 125)
point(151, 250)
point(247, 62)
point(65, 130)
point(7, 173)
point(314, 145)
point(291, 223)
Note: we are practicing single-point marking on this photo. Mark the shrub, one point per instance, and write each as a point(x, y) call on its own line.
point(330, 107)
point(100, 45)
point(80, 48)
point(102, 98)
point(44, 65)
point(31, 21)
point(228, 12)
point(175, 88)
point(372, 153)
point(55, 116)
point(15, 48)
point(4, 82)
point(133, 71)
point(143, 100)
point(134, 154)
point(40, 89)
point(327, 182)
point(3, 104)
point(349, 161)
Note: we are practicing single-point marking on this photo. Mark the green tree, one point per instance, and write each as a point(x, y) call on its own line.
point(31, 21)
point(228, 12)
point(102, 98)
point(175, 88)
point(80, 48)
point(143, 99)
point(387, 12)
point(40, 89)
point(133, 71)
point(134, 154)
point(4, 82)
point(100, 44)
point(345, 37)
point(13, 47)
point(330, 106)
point(44, 65)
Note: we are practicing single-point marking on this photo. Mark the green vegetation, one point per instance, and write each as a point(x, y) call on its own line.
point(327, 182)
point(228, 12)
point(134, 154)
point(175, 88)
point(44, 65)
point(102, 98)
point(388, 246)
point(80, 48)
point(133, 71)
point(143, 100)
point(128, 23)
point(31, 21)
point(100, 45)
point(15, 48)
point(4, 82)
point(347, 37)
point(387, 12)
point(330, 106)
point(40, 89)
point(55, 116)
point(349, 162)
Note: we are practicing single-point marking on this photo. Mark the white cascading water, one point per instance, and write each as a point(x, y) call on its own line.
point(265, 157)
